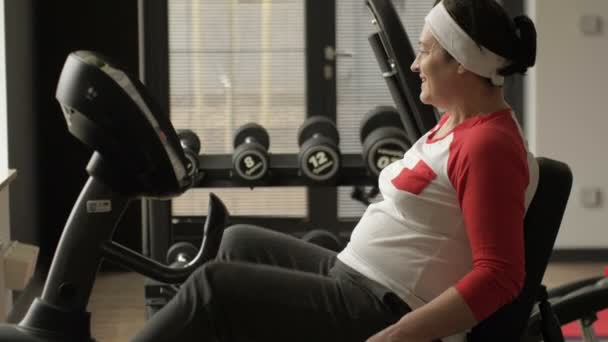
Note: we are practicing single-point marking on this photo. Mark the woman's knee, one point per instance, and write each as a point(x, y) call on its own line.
point(237, 240)
point(203, 281)
point(214, 283)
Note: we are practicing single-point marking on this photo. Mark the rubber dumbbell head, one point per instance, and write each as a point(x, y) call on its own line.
point(191, 145)
point(383, 147)
point(383, 137)
point(319, 157)
point(380, 116)
point(250, 159)
point(189, 140)
point(181, 252)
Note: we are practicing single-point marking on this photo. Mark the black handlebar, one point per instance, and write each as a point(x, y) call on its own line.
point(217, 220)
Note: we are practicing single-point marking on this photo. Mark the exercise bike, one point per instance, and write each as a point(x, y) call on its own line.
point(137, 154)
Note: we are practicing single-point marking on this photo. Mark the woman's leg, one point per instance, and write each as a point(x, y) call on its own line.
point(228, 301)
point(258, 245)
point(268, 286)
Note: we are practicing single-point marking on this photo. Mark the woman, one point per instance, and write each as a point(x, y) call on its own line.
point(440, 253)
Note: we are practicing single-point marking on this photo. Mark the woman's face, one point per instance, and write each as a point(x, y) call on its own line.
point(438, 72)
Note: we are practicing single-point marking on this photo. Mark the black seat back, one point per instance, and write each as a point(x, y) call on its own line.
point(541, 225)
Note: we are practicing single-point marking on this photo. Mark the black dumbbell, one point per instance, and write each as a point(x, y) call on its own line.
point(319, 157)
point(192, 147)
point(181, 253)
point(383, 137)
point(250, 158)
point(189, 140)
point(324, 239)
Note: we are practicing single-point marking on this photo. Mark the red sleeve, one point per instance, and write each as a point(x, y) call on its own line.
point(490, 175)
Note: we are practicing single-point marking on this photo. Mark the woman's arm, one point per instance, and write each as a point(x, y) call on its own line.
point(490, 176)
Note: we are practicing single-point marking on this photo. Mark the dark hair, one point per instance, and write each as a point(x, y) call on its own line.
point(489, 25)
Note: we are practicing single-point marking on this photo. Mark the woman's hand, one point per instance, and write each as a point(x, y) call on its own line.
point(382, 336)
point(391, 334)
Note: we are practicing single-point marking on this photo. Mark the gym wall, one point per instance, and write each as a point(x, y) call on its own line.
point(565, 106)
point(4, 194)
point(3, 136)
point(21, 128)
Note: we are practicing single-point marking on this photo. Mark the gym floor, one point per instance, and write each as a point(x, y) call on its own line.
point(118, 298)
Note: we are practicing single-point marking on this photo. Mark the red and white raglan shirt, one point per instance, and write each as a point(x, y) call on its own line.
point(452, 214)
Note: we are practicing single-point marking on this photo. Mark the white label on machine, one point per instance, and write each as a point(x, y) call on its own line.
point(99, 206)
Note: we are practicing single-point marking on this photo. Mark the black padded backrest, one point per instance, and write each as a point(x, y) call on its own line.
point(541, 225)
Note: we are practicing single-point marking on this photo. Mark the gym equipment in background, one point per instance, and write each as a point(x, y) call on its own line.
point(582, 302)
point(383, 137)
point(191, 145)
point(250, 158)
point(181, 253)
point(189, 141)
point(395, 54)
point(319, 157)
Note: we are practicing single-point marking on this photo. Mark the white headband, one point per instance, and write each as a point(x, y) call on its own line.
point(457, 42)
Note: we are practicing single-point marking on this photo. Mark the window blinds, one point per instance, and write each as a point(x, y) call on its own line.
point(233, 62)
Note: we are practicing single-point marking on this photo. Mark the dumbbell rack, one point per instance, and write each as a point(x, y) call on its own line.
point(283, 171)
point(217, 172)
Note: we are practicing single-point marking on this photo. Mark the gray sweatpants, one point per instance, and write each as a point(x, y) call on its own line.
point(267, 286)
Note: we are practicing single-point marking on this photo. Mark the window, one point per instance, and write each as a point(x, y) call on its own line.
point(237, 61)
point(233, 62)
